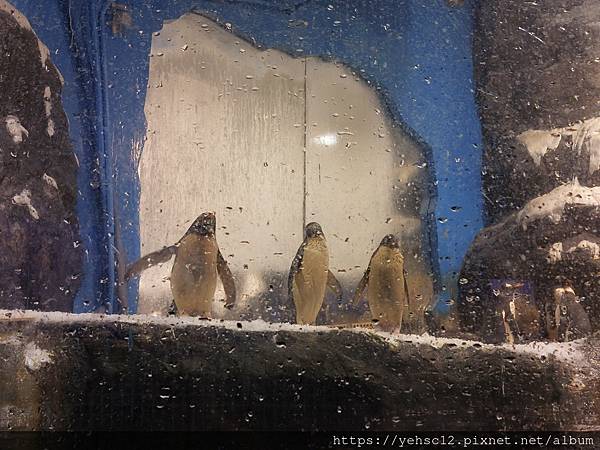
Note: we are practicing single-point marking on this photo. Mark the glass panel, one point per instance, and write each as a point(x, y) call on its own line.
point(427, 170)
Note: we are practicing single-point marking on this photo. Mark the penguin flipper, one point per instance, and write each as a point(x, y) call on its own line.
point(152, 259)
point(173, 309)
point(552, 322)
point(227, 280)
point(294, 269)
point(335, 286)
point(512, 327)
point(362, 285)
point(508, 334)
point(406, 291)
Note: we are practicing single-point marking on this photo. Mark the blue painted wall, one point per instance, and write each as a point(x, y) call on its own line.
point(417, 53)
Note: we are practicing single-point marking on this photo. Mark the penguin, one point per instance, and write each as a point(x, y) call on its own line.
point(385, 281)
point(310, 276)
point(198, 262)
point(517, 316)
point(568, 319)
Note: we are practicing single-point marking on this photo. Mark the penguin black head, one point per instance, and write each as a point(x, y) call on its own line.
point(390, 241)
point(204, 225)
point(313, 229)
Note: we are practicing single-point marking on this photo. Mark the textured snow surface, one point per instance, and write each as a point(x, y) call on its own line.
point(584, 136)
point(553, 203)
point(36, 357)
point(570, 352)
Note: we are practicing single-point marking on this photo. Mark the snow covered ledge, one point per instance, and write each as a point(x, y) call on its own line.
point(71, 372)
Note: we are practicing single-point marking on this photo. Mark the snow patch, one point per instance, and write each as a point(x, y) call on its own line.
point(555, 252)
point(24, 199)
point(539, 142)
point(568, 352)
point(50, 181)
point(553, 203)
point(48, 108)
point(584, 136)
point(592, 247)
point(15, 129)
point(36, 357)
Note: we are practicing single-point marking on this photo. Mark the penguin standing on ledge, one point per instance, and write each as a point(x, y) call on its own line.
point(568, 319)
point(387, 290)
point(310, 276)
point(516, 313)
point(198, 262)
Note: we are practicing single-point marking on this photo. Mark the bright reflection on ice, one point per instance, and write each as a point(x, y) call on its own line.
point(326, 139)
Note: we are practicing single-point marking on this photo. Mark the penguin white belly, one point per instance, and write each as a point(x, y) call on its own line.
point(194, 275)
point(386, 290)
point(311, 281)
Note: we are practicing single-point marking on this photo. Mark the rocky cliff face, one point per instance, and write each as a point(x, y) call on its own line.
point(40, 257)
point(553, 238)
point(538, 79)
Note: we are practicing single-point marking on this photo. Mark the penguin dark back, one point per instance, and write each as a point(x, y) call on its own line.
point(204, 225)
point(313, 229)
point(390, 241)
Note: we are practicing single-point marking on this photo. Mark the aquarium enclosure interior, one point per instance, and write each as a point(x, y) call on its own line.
point(417, 172)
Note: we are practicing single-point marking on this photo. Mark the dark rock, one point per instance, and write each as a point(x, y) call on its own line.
point(537, 70)
point(40, 258)
point(538, 80)
point(551, 240)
